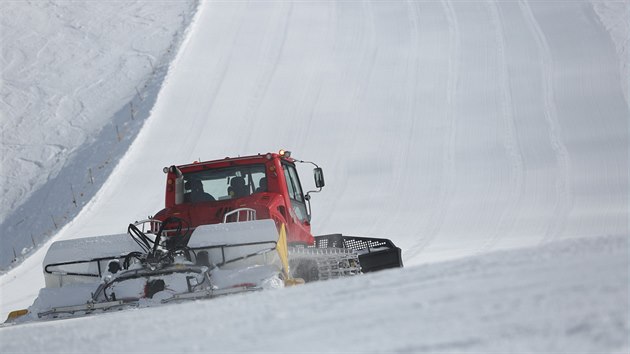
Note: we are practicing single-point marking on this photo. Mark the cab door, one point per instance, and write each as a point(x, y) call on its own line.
point(299, 228)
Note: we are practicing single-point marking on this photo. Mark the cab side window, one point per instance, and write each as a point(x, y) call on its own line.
point(295, 192)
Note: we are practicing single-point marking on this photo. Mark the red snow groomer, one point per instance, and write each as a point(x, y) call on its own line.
point(229, 226)
point(267, 186)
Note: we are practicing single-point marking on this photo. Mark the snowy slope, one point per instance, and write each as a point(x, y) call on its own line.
point(567, 297)
point(503, 122)
point(78, 80)
point(453, 128)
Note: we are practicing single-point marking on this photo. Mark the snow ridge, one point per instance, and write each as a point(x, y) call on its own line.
point(102, 127)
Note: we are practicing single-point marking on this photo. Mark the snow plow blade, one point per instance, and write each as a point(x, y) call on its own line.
point(374, 253)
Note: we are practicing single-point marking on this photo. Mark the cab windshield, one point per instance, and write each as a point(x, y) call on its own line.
point(224, 183)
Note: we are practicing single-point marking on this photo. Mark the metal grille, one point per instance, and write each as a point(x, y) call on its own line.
point(359, 244)
point(352, 242)
point(331, 262)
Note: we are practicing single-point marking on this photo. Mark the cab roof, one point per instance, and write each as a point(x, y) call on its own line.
point(238, 160)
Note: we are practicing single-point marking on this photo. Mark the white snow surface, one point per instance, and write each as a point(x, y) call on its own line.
point(614, 17)
point(67, 67)
point(78, 80)
point(566, 297)
point(454, 128)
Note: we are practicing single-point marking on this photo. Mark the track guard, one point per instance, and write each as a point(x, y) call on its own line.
point(374, 253)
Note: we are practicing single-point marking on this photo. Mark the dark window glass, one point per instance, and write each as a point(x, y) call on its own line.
point(295, 192)
point(222, 183)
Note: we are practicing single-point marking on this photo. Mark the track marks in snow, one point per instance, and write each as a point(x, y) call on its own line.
point(220, 63)
point(563, 188)
point(313, 24)
point(309, 101)
point(273, 47)
point(395, 66)
point(510, 141)
point(406, 154)
point(447, 186)
point(358, 42)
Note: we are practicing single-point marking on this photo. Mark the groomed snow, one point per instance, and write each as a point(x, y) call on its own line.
point(566, 297)
point(454, 128)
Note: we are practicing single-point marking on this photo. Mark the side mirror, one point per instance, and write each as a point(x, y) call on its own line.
point(319, 177)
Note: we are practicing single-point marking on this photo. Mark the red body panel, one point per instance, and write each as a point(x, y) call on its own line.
point(273, 203)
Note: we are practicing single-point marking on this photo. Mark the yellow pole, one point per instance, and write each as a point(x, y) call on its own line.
point(283, 252)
